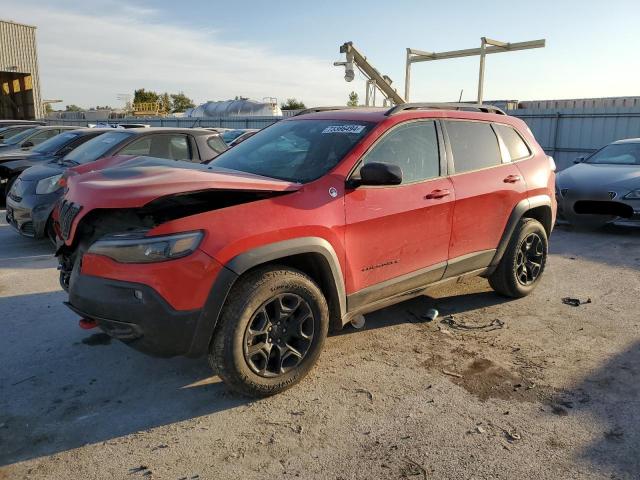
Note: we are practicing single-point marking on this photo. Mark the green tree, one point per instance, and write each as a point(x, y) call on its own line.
point(145, 96)
point(353, 100)
point(165, 101)
point(48, 108)
point(293, 104)
point(180, 102)
point(73, 108)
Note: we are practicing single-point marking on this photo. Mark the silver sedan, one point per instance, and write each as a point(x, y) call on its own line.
point(602, 188)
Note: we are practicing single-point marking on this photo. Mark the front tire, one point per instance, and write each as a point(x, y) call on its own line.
point(523, 263)
point(271, 331)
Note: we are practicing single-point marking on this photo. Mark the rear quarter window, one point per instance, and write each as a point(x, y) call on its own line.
point(474, 145)
point(216, 143)
point(516, 146)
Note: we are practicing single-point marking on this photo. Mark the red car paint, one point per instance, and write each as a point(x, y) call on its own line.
point(184, 283)
point(95, 189)
point(377, 234)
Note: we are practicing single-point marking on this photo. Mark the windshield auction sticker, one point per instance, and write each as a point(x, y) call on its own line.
point(344, 129)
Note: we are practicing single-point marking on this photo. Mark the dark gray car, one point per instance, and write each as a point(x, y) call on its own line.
point(602, 188)
point(32, 197)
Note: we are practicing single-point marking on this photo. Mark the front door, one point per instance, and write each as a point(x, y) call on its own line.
point(397, 237)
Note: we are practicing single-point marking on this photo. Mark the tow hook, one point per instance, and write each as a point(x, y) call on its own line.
point(87, 324)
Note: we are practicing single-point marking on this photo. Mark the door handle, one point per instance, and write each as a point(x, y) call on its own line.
point(512, 179)
point(437, 194)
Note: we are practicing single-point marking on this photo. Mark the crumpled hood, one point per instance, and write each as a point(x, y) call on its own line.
point(141, 180)
point(105, 162)
point(604, 176)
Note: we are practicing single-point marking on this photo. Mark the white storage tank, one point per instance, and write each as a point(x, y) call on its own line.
point(235, 108)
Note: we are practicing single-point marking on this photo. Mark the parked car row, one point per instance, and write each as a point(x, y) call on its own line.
point(34, 175)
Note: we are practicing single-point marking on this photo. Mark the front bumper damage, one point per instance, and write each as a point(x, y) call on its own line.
point(140, 316)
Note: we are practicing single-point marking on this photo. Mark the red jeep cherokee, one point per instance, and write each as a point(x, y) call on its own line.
point(301, 228)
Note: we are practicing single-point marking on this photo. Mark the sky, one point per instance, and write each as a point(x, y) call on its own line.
point(89, 52)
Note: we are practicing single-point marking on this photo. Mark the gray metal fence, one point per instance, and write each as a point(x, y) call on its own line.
point(569, 133)
point(564, 133)
point(226, 122)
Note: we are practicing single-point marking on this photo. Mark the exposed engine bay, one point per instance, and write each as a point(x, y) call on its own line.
point(102, 222)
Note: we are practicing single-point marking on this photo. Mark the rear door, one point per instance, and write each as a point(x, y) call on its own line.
point(397, 237)
point(488, 186)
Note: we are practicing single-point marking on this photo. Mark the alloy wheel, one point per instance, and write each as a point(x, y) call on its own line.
point(529, 259)
point(279, 335)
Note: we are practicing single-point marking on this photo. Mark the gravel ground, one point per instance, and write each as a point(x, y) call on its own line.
point(530, 388)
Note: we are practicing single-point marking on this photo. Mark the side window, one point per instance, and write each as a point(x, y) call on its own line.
point(474, 145)
point(512, 139)
point(42, 136)
point(179, 147)
point(413, 147)
point(216, 143)
point(138, 147)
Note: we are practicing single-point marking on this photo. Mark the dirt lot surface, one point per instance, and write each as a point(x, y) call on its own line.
point(531, 388)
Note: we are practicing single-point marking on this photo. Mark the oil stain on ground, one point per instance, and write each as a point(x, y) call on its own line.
point(487, 379)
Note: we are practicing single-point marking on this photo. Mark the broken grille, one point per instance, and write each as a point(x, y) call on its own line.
point(68, 213)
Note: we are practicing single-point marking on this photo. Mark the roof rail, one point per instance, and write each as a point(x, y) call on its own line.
point(322, 109)
point(444, 106)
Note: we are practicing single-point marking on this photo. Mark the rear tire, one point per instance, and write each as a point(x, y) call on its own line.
point(271, 331)
point(523, 263)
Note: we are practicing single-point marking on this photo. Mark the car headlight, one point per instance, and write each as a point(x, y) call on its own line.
point(48, 185)
point(633, 195)
point(138, 249)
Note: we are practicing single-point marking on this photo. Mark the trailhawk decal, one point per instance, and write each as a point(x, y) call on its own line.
point(344, 129)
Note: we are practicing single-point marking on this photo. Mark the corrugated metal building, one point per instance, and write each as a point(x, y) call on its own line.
point(19, 79)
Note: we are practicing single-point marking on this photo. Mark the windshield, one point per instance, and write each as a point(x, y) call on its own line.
point(295, 150)
point(8, 132)
point(14, 140)
point(617, 154)
point(96, 147)
point(54, 144)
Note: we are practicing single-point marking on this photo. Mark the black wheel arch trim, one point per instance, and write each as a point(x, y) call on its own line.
point(517, 213)
point(253, 258)
point(288, 248)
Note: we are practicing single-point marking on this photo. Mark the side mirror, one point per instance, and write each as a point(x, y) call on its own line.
point(380, 174)
point(27, 144)
point(579, 159)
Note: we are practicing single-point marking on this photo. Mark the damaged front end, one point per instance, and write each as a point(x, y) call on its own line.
point(133, 272)
point(106, 225)
point(97, 208)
